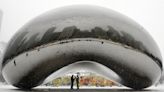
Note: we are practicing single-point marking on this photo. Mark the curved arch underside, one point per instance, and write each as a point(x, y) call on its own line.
point(85, 66)
point(133, 68)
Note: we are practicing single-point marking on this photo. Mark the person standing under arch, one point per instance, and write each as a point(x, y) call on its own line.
point(77, 81)
point(72, 81)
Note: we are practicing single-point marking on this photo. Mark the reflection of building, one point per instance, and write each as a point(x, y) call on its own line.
point(86, 79)
point(94, 80)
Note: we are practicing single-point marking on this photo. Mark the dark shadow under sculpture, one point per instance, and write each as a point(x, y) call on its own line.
point(82, 33)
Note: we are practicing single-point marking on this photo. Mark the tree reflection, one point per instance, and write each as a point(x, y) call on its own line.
point(22, 44)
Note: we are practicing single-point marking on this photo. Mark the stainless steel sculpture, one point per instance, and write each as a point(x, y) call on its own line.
point(82, 33)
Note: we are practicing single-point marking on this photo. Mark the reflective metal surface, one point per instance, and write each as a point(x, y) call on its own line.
point(82, 33)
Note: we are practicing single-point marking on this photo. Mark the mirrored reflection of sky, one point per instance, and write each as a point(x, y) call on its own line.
point(148, 13)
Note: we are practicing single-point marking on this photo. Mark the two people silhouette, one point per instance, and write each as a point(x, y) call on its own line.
point(73, 78)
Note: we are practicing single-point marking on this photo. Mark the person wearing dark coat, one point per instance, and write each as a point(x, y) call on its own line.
point(77, 81)
point(72, 81)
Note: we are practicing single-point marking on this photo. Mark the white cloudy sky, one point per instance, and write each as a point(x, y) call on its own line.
point(148, 13)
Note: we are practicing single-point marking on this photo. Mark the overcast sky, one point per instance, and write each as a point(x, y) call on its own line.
point(148, 13)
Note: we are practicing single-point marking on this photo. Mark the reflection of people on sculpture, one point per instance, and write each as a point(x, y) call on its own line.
point(72, 81)
point(14, 63)
point(77, 81)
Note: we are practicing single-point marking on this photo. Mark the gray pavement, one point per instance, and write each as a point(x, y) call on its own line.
point(80, 90)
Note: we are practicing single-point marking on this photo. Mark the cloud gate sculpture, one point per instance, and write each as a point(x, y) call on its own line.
point(72, 34)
